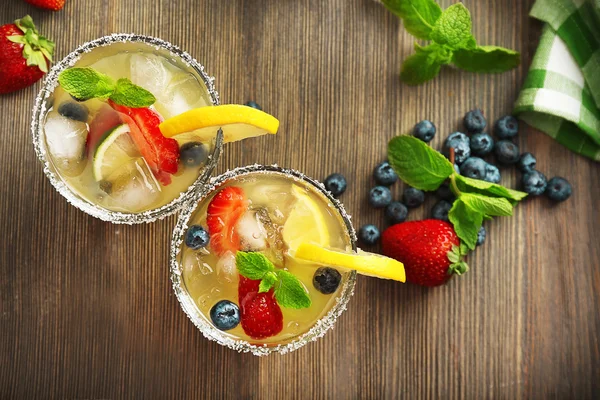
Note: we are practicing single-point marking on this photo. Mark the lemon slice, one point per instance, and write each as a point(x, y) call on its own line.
point(364, 263)
point(305, 222)
point(115, 149)
point(237, 122)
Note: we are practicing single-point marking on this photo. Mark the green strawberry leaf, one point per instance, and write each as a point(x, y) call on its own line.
point(253, 265)
point(417, 164)
point(86, 83)
point(419, 16)
point(130, 95)
point(469, 185)
point(486, 59)
point(489, 206)
point(291, 293)
point(466, 222)
point(453, 28)
point(425, 64)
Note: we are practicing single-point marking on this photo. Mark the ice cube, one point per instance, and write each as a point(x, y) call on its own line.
point(134, 187)
point(253, 236)
point(66, 142)
point(183, 94)
point(151, 73)
point(226, 270)
point(275, 247)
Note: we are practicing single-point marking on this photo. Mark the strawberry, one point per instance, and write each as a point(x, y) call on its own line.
point(429, 250)
point(24, 55)
point(105, 120)
point(261, 315)
point(161, 153)
point(53, 5)
point(223, 213)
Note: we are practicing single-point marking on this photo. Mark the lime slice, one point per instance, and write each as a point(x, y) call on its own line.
point(305, 222)
point(237, 122)
point(116, 148)
point(364, 263)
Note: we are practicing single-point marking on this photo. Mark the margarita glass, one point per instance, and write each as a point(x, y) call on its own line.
point(89, 151)
point(279, 207)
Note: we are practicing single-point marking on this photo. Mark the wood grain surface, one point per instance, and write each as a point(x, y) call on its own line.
point(86, 307)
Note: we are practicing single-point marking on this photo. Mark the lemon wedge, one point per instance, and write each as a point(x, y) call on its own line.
point(305, 222)
point(364, 263)
point(237, 122)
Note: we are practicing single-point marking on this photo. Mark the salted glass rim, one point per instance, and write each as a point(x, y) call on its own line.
point(40, 110)
point(186, 301)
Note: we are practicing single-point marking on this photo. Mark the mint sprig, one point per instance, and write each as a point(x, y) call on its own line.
point(87, 83)
point(289, 291)
point(452, 41)
point(420, 166)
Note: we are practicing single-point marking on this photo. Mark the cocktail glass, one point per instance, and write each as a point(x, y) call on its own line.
point(178, 82)
point(202, 278)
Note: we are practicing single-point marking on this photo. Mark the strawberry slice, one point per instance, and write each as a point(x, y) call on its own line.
point(161, 153)
point(223, 213)
point(261, 315)
point(105, 120)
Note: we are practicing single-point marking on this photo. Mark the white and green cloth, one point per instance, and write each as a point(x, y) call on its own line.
point(561, 95)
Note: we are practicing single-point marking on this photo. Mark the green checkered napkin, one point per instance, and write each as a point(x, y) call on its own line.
point(561, 95)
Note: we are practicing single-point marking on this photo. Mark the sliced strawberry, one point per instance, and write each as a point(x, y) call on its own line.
point(161, 153)
point(223, 213)
point(105, 120)
point(261, 315)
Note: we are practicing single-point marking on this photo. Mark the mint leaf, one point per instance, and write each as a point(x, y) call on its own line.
point(453, 28)
point(130, 95)
point(419, 16)
point(425, 64)
point(486, 59)
point(86, 83)
point(489, 206)
point(466, 222)
point(469, 185)
point(417, 164)
point(253, 265)
point(267, 282)
point(291, 293)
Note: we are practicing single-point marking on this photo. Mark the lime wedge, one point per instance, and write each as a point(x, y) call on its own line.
point(116, 148)
point(237, 122)
point(305, 222)
point(364, 263)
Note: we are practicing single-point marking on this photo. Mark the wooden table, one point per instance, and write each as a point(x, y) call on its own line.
point(87, 309)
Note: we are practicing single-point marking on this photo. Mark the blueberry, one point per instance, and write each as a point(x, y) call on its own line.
point(481, 236)
point(445, 193)
point(396, 212)
point(225, 315)
point(492, 174)
point(413, 197)
point(74, 111)
point(336, 184)
point(253, 104)
point(473, 167)
point(380, 196)
point(534, 183)
point(424, 130)
point(196, 237)
point(326, 280)
point(481, 144)
point(368, 234)
point(384, 174)
point(474, 121)
point(506, 127)
point(506, 152)
point(558, 189)
point(456, 168)
point(461, 144)
point(526, 162)
point(440, 210)
point(193, 154)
